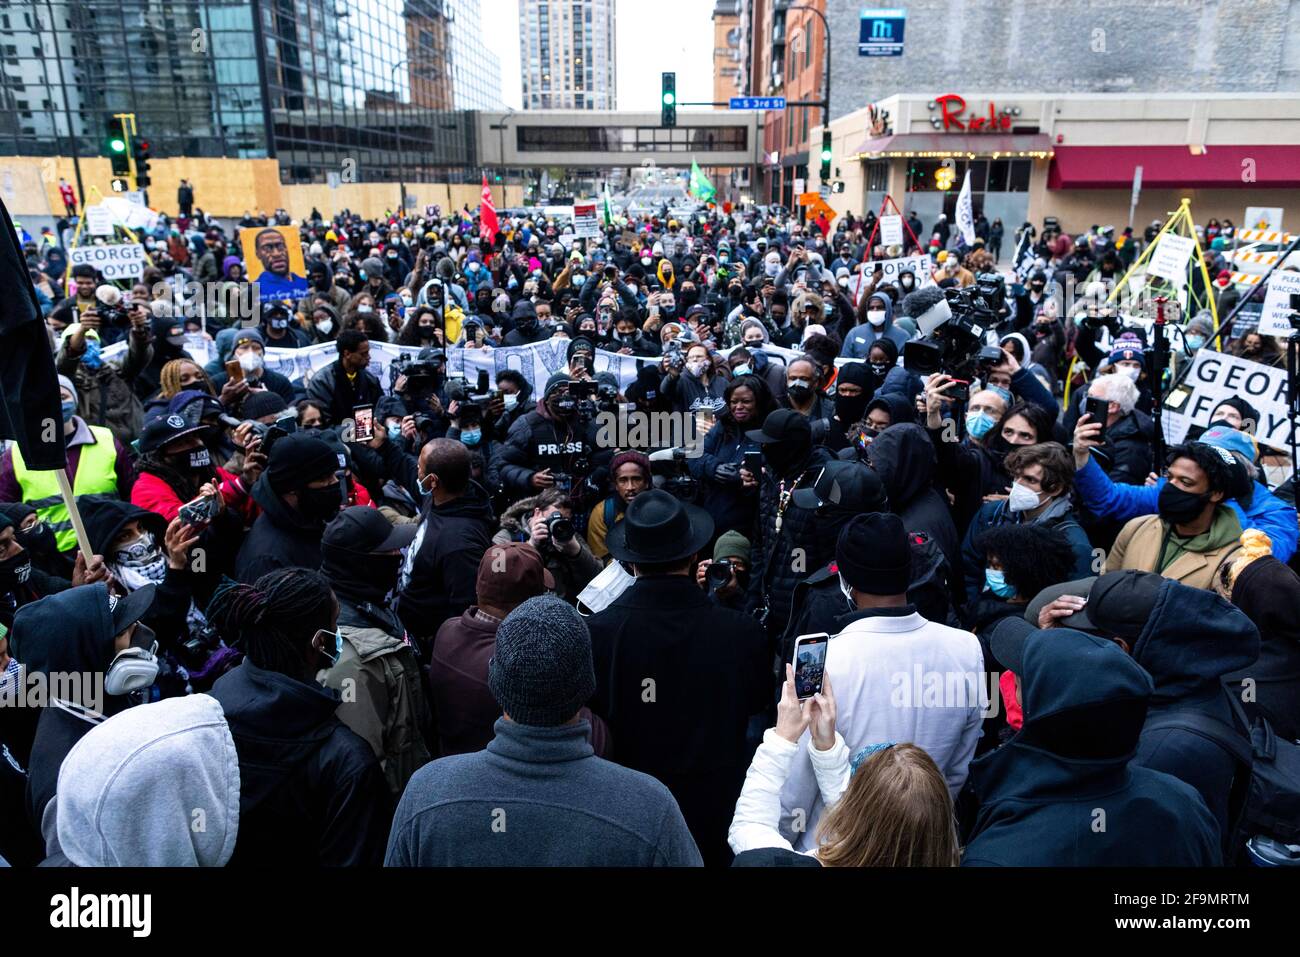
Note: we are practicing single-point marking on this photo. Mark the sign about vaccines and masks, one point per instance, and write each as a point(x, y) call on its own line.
point(275, 263)
point(1217, 376)
point(1170, 258)
point(1275, 319)
point(117, 261)
point(891, 230)
point(99, 220)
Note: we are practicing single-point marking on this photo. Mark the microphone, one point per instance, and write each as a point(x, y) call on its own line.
point(928, 307)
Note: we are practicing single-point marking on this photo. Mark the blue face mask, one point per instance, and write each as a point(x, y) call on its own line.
point(979, 424)
point(69, 410)
point(91, 356)
point(471, 436)
point(395, 432)
point(996, 582)
point(579, 280)
point(741, 370)
point(1195, 342)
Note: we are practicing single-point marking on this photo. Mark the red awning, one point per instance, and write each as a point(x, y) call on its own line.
point(956, 144)
point(1174, 167)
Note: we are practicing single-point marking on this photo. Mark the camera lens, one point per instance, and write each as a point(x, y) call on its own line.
point(718, 573)
point(560, 528)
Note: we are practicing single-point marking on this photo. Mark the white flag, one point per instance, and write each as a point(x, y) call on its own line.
point(966, 212)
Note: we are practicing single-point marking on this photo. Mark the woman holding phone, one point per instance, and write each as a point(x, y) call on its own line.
point(887, 805)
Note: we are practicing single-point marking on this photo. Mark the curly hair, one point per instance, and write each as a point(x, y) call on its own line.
point(274, 620)
point(1033, 557)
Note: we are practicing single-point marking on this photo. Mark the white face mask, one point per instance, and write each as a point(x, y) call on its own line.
point(325, 326)
point(251, 362)
point(511, 400)
point(846, 591)
point(697, 368)
point(876, 317)
point(1022, 498)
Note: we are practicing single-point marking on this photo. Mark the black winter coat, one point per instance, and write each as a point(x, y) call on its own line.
point(1041, 797)
point(710, 671)
point(279, 538)
point(537, 441)
point(311, 790)
point(439, 577)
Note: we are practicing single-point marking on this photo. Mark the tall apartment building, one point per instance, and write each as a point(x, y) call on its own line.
point(566, 54)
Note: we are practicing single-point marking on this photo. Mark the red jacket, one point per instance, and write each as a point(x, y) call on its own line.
point(152, 493)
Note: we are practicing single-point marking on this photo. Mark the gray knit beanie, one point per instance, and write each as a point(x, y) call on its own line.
point(541, 672)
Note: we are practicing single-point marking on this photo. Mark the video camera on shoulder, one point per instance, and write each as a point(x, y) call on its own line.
point(458, 389)
point(953, 330)
point(422, 375)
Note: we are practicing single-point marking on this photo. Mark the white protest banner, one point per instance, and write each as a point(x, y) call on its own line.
point(141, 217)
point(135, 197)
point(921, 267)
point(1263, 217)
point(1274, 321)
point(119, 261)
point(1170, 258)
point(891, 230)
point(99, 220)
point(1216, 376)
point(584, 220)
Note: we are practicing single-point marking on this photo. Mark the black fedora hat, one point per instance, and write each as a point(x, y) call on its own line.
point(659, 528)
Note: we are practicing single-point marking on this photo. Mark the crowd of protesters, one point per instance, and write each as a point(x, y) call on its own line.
point(486, 635)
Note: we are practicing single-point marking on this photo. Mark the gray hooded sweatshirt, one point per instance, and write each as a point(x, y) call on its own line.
point(154, 786)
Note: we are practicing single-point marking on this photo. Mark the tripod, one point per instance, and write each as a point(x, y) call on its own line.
point(1158, 360)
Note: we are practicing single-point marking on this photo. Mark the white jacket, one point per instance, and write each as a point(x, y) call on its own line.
point(899, 679)
point(758, 810)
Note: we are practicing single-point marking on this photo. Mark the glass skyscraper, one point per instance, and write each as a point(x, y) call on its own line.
point(367, 89)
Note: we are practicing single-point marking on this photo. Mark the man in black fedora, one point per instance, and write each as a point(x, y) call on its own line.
point(677, 676)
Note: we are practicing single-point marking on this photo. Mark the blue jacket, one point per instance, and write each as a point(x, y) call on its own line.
point(732, 506)
point(1107, 499)
point(991, 514)
point(858, 342)
point(1065, 791)
point(537, 797)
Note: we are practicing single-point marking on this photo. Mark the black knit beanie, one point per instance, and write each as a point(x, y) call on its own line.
point(541, 672)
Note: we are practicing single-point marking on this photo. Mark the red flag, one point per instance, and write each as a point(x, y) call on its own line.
point(487, 215)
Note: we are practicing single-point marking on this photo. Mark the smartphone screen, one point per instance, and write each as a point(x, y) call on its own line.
point(234, 371)
point(810, 663)
point(363, 416)
point(753, 463)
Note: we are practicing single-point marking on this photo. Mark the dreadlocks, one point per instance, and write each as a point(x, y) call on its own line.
point(274, 620)
point(169, 379)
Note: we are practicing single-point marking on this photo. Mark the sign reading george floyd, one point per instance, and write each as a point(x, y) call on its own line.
point(118, 261)
point(1217, 376)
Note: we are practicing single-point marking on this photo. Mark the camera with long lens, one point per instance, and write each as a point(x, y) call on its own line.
point(582, 393)
point(458, 390)
point(953, 323)
point(422, 375)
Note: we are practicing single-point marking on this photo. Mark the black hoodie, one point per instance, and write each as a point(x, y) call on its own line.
point(1269, 593)
point(1065, 791)
point(280, 538)
point(311, 792)
point(439, 579)
point(904, 458)
point(148, 380)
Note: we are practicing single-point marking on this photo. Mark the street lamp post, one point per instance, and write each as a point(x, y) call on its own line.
point(501, 146)
point(826, 83)
point(401, 165)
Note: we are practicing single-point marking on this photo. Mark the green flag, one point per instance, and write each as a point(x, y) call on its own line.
point(607, 208)
point(700, 186)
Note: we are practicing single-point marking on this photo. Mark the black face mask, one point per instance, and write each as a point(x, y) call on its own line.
point(690, 297)
point(1177, 506)
point(320, 504)
point(785, 457)
point(38, 540)
point(14, 571)
point(565, 406)
point(849, 409)
point(527, 326)
point(799, 392)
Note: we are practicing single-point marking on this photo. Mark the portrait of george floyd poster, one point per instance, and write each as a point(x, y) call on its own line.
point(273, 258)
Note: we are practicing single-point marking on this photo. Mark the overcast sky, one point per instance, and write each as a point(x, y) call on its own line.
point(651, 36)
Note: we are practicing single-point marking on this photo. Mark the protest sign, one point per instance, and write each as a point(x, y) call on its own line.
point(99, 220)
point(1216, 376)
point(275, 263)
point(891, 230)
point(1274, 320)
point(1170, 258)
point(1263, 217)
point(117, 261)
point(890, 269)
point(584, 221)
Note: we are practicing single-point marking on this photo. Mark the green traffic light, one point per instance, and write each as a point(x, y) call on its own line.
point(117, 145)
point(669, 98)
point(826, 155)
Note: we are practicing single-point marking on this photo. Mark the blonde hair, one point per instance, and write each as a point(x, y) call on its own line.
point(1254, 544)
point(896, 812)
point(169, 378)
